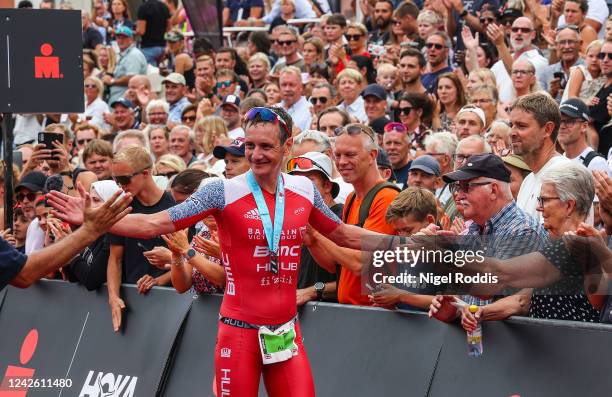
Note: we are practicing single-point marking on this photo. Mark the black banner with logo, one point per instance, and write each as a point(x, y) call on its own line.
point(41, 61)
point(75, 339)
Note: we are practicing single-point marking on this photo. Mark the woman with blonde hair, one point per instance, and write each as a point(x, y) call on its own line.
point(586, 80)
point(106, 63)
point(350, 85)
point(169, 165)
point(259, 68)
point(478, 77)
point(210, 131)
point(95, 107)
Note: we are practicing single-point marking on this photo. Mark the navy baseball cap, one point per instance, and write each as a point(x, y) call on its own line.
point(426, 163)
point(575, 109)
point(487, 165)
point(375, 90)
point(33, 181)
point(123, 102)
point(235, 148)
point(232, 100)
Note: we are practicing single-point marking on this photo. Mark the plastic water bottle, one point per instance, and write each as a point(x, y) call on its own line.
point(474, 338)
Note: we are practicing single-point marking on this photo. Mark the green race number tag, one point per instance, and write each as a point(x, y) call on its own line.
point(277, 346)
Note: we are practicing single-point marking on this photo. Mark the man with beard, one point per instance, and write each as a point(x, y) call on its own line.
point(568, 43)
point(411, 67)
point(437, 60)
point(383, 13)
point(535, 120)
point(521, 39)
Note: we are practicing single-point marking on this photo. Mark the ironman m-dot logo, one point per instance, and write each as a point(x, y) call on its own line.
point(47, 66)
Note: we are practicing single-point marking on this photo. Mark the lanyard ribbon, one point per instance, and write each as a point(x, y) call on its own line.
point(273, 234)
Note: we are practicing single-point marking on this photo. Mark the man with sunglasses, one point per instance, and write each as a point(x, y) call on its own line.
point(132, 170)
point(437, 46)
point(322, 97)
point(599, 108)
point(289, 49)
point(522, 36)
point(28, 192)
point(261, 268)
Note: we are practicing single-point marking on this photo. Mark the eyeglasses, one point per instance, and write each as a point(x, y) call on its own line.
point(567, 42)
point(570, 122)
point(267, 115)
point(314, 100)
point(84, 141)
point(481, 101)
point(90, 86)
point(406, 110)
point(124, 180)
point(435, 45)
point(285, 43)
point(353, 37)
point(169, 174)
point(571, 26)
point(158, 114)
point(225, 83)
point(303, 163)
point(487, 20)
point(398, 127)
point(31, 196)
point(516, 72)
point(395, 22)
point(460, 158)
point(542, 200)
point(188, 118)
point(516, 29)
point(456, 187)
point(603, 55)
point(354, 129)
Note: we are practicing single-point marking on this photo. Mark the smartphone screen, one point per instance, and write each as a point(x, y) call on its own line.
point(47, 138)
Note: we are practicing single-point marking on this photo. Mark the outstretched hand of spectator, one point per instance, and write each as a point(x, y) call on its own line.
point(159, 257)
point(208, 247)
point(470, 41)
point(442, 308)
point(495, 33)
point(145, 283)
point(385, 295)
point(469, 320)
point(117, 306)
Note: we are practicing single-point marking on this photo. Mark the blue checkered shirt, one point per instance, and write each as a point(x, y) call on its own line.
point(509, 233)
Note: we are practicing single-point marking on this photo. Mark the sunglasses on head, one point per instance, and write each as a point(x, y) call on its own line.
point(303, 163)
point(516, 29)
point(398, 127)
point(352, 37)
point(267, 115)
point(435, 45)
point(225, 83)
point(314, 100)
point(604, 55)
point(124, 180)
point(31, 196)
point(354, 129)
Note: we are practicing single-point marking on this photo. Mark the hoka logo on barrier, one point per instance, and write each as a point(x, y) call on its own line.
point(108, 385)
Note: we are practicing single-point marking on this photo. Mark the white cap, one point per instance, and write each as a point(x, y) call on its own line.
point(474, 109)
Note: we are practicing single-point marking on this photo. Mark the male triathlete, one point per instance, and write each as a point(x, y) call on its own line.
point(260, 244)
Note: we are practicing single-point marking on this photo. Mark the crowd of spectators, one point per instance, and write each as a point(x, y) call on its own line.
point(477, 118)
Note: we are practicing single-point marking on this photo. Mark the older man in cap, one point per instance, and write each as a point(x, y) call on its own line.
point(124, 115)
point(175, 86)
point(424, 172)
point(230, 112)
point(130, 63)
point(482, 186)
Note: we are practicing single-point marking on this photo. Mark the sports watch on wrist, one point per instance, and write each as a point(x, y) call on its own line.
point(319, 287)
point(463, 14)
point(189, 254)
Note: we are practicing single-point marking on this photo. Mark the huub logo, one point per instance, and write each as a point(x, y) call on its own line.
point(108, 385)
point(47, 66)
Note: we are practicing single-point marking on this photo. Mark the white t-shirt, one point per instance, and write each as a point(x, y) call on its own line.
point(345, 190)
point(504, 82)
point(35, 237)
point(527, 199)
point(236, 133)
point(598, 11)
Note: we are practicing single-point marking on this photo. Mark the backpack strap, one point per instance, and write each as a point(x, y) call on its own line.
point(589, 157)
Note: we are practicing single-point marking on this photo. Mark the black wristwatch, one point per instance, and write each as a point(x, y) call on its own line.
point(319, 287)
point(463, 14)
point(190, 254)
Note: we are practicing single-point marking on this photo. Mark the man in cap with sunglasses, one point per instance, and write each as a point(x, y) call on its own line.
point(252, 212)
point(314, 282)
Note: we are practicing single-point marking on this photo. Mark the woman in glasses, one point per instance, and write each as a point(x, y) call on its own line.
point(451, 98)
point(357, 35)
point(524, 79)
point(586, 80)
point(95, 107)
point(413, 108)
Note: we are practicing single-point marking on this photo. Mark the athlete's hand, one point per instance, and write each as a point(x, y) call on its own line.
point(177, 241)
point(159, 257)
point(117, 306)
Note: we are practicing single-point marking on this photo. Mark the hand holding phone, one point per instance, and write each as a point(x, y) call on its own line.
point(47, 139)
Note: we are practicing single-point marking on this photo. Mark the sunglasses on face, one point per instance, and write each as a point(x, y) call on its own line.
point(188, 118)
point(124, 180)
point(90, 86)
point(406, 110)
point(224, 84)
point(31, 196)
point(517, 29)
point(285, 43)
point(352, 37)
point(84, 141)
point(604, 55)
point(303, 163)
point(398, 127)
point(266, 115)
point(314, 100)
point(487, 20)
point(353, 129)
point(435, 45)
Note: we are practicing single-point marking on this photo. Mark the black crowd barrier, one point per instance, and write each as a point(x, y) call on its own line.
point(56, 330)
